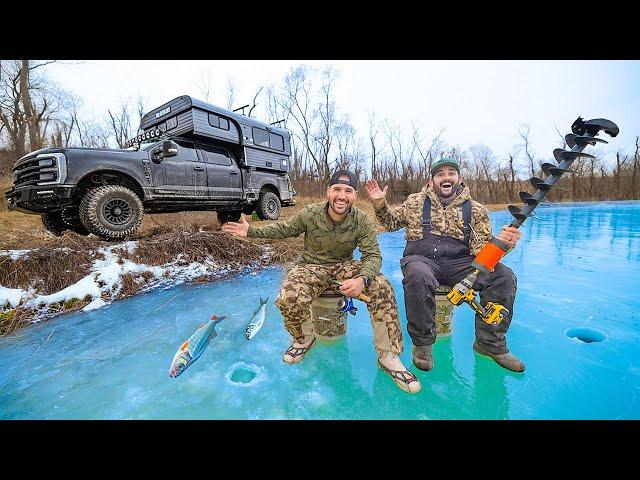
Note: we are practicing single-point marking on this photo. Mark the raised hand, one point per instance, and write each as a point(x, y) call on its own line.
point(376, 195)
point(237, 229)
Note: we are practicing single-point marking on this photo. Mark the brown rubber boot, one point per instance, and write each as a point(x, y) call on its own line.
point(423, 357)
point(506, 360)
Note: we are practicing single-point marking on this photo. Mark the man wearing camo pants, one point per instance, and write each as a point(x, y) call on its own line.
point(333, 229)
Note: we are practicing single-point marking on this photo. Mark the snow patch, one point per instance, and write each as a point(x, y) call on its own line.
point(14, 254)
point(11, 296)
point(94, 305)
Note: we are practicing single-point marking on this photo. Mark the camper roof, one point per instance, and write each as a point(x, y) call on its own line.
point(186, 102)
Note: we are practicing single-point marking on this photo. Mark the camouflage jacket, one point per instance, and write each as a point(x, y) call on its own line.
point(326, 242)
point(444, 220)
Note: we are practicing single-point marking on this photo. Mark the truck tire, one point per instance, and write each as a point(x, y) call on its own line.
point(53, 223)
point(224, 217)
point(112, 212)
point(268, 206)
point(71, 217)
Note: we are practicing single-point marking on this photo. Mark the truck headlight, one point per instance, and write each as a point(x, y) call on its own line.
point(46, 162)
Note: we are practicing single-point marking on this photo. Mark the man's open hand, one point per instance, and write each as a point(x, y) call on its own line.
point(237, 229)
point(376, 195)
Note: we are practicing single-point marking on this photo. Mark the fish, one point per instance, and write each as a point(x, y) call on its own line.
point(190, 350)
point(257, 320)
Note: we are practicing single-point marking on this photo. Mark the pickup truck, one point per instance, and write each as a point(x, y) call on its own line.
point(190, 156)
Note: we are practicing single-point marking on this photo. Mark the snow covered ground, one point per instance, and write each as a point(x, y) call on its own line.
point(103, 284)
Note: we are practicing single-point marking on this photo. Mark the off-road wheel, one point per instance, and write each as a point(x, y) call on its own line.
point(71, 217)
point(53, 223)
point(268, 206)
point(112, 212)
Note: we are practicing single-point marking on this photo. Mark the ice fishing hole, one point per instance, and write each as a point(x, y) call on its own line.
point(586, 335)
point(242, 375)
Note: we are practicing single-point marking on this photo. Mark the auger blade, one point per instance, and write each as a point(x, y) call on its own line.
point(572, 139)
point(592, 127)
point(551, 169)
point(517, 213)
point(582, 141)
point(597, 124)
point(561, 155)
point(539, 184)
point(529, 200)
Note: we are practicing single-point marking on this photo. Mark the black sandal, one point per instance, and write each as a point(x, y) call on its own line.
point(402, 378)
point(297, 353)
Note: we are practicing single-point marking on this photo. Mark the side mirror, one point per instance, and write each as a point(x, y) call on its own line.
point(169, 148)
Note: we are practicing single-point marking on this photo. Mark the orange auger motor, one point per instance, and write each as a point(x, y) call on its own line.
point(584, 134)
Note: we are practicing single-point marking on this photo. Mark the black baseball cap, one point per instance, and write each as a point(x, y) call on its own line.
point(335, 178)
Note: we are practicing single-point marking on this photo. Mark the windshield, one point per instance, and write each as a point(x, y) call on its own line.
point(149, 145)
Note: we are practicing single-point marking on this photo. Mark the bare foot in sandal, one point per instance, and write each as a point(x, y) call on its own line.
point(297, 351)
point(403, 378)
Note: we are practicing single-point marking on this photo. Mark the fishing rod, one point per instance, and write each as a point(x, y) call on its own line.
point(362, 296)
point(583, 134)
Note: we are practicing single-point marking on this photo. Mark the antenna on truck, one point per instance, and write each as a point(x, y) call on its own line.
point(241, 108)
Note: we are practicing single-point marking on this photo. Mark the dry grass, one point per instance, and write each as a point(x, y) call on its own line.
point(51, 268)
point(132, 283)
point(193, 245)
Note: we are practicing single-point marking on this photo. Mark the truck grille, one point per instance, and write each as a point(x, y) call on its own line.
point(43, 169)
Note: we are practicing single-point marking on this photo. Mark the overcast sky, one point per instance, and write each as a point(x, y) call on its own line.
point(474, 101)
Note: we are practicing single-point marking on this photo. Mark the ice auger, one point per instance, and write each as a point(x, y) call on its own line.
point(584, 133)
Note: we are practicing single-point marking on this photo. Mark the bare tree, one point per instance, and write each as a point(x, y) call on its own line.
point(636, 165)
point(427, 156)
point(346, 142)
point(524, 132)
point(121, 125)
point(483, 157)
point(206, 87)
point(231, 93)
point(617, 173)
point(563, 141)
point(29, 102)
point(510, 175)
point(12, 115)
point(374, 128)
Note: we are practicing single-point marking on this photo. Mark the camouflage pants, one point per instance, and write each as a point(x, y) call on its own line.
point(300, 287)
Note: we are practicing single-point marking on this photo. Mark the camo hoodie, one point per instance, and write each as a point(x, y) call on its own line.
point(445, 221)
point(326, 243)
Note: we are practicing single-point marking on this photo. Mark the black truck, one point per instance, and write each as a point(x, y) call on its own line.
point(190, 155)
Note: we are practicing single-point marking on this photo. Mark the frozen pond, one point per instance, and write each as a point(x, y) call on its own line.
point(576, 326)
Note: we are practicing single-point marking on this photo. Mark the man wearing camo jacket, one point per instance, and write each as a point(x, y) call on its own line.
point(333, 229)
point(445, 230)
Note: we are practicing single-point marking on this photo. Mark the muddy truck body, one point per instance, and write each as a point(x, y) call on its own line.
point(189, 156)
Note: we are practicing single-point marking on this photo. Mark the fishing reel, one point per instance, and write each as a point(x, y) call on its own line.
point(346, 305)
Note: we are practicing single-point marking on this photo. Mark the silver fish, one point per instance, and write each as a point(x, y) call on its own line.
point(257, 320)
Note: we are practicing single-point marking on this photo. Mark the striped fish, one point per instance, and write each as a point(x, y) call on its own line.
point(190, 350)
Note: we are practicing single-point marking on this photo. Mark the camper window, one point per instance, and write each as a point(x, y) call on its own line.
point(277, 141)
point(260, 137)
